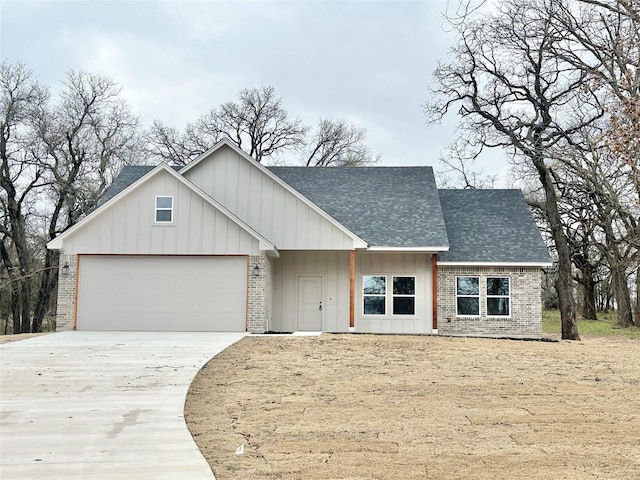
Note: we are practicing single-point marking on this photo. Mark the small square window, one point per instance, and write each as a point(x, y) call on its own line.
point(164, 209)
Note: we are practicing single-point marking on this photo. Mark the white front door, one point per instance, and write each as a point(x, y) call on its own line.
point(310, 303)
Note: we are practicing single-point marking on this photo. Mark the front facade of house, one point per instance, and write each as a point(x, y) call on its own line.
point(226, 244)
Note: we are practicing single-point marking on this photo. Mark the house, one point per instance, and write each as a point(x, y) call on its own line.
point(227, 244)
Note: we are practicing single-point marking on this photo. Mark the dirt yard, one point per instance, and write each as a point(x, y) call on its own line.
point(396, 407)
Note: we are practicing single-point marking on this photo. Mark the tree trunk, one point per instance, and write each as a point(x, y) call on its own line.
point(624, 316)
point(637, 308)
point(589, 294)
point(15, 306)
point(619, 281)
point(48, 284)
point(564, 283)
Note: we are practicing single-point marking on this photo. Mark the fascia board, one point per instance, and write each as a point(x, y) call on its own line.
point(358, 242)
point(408, 249)
point(496, 264)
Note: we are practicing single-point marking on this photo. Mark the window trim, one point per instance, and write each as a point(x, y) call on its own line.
point(455, 286)
point(402, 295)
point(163, 209)
point(487, 297)
point(383, 295)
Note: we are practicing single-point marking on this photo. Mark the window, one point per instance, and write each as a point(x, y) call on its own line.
point(468, 296)
point(404, 295)
point(164, 209)
point(374, 289)
point(498, 296)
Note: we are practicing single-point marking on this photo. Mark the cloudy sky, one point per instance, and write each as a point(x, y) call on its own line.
point(367, 62)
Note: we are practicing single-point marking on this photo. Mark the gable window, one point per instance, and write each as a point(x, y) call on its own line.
point(404, 295)
point(164, 209)
point(374, 291)
point(468, 296)
point(498, 296)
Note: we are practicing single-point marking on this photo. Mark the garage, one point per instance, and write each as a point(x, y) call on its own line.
point(162, 293)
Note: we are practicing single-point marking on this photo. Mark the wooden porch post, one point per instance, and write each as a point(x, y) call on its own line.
point(434, 286)
point(352, 287)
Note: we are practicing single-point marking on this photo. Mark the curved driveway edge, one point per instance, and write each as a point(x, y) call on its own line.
point(102, 405)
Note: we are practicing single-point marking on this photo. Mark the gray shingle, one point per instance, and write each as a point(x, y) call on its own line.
point(385, 206)
point(490, 226)
point(128, 175)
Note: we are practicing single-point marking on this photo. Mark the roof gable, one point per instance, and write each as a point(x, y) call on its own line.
point(491, 226)
point(145, 178)
point(267, 203)
point(389, 207)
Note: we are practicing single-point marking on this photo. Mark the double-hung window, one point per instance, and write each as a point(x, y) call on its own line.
point(374, 291)
point(468, 296)
point(404, 295)
point(498, 297)
point(164, 209)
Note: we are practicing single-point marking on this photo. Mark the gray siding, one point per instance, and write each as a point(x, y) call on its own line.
point(127, 226)
point(334, 269)
point(263, 203)
point(395, 264)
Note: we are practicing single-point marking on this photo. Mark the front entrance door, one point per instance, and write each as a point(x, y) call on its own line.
point(310, 303)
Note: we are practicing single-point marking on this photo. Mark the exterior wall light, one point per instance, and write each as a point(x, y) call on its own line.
point(256, 271)
point(65, 269)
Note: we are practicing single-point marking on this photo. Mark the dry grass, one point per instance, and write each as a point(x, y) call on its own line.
point(388, 407)
point(20, 336)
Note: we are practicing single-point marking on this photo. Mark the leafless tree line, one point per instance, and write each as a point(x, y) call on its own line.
point(60, 153)
point(556, 85)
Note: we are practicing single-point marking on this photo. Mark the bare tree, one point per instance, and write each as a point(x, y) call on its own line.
point(459, 167)
point(512, 91)
point(259, 124)
point(605, 45)
point(179, 148)
point(336, 143)
point(88, 136)
point(21, 178)
point(57, 160)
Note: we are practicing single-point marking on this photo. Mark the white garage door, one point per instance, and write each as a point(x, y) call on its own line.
point(162, 293)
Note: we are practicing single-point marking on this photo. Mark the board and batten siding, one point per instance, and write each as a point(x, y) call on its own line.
point(127, 226)
point(263, 203)
point(285, 271)
point(390, 265)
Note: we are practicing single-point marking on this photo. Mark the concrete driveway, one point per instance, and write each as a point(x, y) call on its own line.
point(102, 405)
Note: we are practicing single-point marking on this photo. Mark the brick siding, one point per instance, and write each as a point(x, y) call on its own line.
point(525, 320)
point(259, 294)
point(66, 294)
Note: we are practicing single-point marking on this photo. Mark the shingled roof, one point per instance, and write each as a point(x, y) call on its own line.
point(493, 226)
point(385, 206)
point(401, 207)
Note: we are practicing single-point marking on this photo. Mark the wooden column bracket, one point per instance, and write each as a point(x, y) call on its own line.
point(352, 287)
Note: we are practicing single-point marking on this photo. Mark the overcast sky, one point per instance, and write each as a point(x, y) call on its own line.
point(366, 62)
